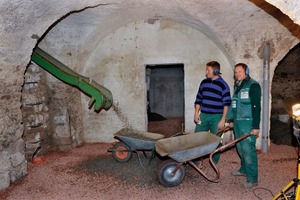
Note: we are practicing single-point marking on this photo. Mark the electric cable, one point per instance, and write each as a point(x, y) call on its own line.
point(261, 188)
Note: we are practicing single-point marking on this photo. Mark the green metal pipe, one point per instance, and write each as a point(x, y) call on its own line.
point(101, 97)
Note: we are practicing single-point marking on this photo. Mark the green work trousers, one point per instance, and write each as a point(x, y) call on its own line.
point(209, 122)
point(246, 149)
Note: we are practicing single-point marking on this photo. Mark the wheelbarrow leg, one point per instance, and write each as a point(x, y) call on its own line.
point(144, 153)
point(216, 170)
point(198, 162)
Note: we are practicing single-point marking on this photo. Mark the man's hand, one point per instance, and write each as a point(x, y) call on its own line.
point(196, 118)
point(197, 113)
point(255, 132)
point(221, 124)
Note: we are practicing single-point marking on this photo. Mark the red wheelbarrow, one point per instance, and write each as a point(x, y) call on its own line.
point(186, 148)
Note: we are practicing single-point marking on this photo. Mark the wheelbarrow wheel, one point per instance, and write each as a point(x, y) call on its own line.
point(121, 152)
point(166, 176)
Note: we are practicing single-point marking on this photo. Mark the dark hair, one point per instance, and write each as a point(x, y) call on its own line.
point(244, 66)
point(216, 67)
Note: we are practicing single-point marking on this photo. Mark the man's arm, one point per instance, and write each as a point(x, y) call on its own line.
point(222, 121)
point(196, 113)
point(255, 96)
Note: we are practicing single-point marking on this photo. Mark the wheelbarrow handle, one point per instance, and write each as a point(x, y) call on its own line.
point(222, 148)
point(223, 130)
point(230, 144)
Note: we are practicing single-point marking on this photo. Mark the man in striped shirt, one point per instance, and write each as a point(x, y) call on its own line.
point(212, 102)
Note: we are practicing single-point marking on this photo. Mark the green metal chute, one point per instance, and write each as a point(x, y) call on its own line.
point(101, 97)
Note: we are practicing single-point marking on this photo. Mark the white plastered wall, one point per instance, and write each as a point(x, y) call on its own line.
point(119, 63)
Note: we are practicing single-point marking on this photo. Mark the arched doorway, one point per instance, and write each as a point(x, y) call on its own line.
point(285, 93)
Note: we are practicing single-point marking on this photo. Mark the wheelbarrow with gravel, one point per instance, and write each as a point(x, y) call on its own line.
point(184, 150)
point(133, 141)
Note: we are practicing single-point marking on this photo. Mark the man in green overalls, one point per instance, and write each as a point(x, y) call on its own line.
point(212, 102)
point(244, 112)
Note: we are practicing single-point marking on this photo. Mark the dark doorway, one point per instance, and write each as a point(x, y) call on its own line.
point(165, 98)
point(285, 93)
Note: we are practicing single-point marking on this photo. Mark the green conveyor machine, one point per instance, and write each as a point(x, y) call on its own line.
point(101, 97)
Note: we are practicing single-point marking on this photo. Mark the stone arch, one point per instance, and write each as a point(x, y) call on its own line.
point(285, 93)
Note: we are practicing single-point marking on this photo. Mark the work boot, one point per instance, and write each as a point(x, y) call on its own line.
point(249, 185)
point(237, 173)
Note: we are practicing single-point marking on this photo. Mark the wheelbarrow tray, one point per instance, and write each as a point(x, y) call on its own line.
point(188, 147)
point(138, 140)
